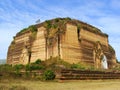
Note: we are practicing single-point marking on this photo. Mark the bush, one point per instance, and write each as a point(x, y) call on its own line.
point(18, 68)
point(48, 75)
point(38, 61)
point(27, 67)
point(32, 28)
point(48, 24)
point(77, 66)
point(36, 67)
point(6, 68)
point(56, 61)
point(33, 66)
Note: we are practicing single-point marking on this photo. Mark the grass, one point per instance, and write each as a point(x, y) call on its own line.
point(60, 85)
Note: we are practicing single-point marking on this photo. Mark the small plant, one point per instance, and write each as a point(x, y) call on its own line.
point(73, 66)
point(68, 18)
point(38, 61)
point(33, 66)
point(57, 62)
point(23, 30)
point(78, 66)
point(17, 69)
point(48, 75)
point(48, 24)
point(5, 68)
point(57, 20)
point(32, 28)
point(36, 67)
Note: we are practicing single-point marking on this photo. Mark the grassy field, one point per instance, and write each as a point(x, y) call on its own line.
point(60, 85)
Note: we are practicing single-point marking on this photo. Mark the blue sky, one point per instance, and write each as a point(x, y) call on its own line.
point(18, 14)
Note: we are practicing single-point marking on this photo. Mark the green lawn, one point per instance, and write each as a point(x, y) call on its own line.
point(60, 85)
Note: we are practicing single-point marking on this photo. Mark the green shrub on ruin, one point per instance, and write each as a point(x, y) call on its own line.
point(37, 65)
point(31, 28)
point(48, 24)
point(38, 61)
point(6, 68)
point(48, 75)
point(56, 63)
point(18, 68)
point(78, 66)
point(23, 30)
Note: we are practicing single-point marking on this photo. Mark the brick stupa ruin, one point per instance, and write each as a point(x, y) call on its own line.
point(72, 40)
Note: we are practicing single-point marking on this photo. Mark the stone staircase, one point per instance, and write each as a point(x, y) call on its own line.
point(88, 75)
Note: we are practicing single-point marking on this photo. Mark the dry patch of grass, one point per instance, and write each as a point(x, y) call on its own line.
point(60, 85)
point(13, 87)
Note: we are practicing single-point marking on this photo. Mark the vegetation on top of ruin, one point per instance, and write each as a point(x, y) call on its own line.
point(59, 23)
point(31, 28)
point(57, 26)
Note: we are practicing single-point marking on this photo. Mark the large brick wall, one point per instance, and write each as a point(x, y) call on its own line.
point(93, 37)
point(71, 51)
point(17, 52)
point(38, 46)
point(74, 46)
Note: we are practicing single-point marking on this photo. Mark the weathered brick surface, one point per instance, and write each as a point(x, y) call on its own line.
point(85, 45)
point(88, 75)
